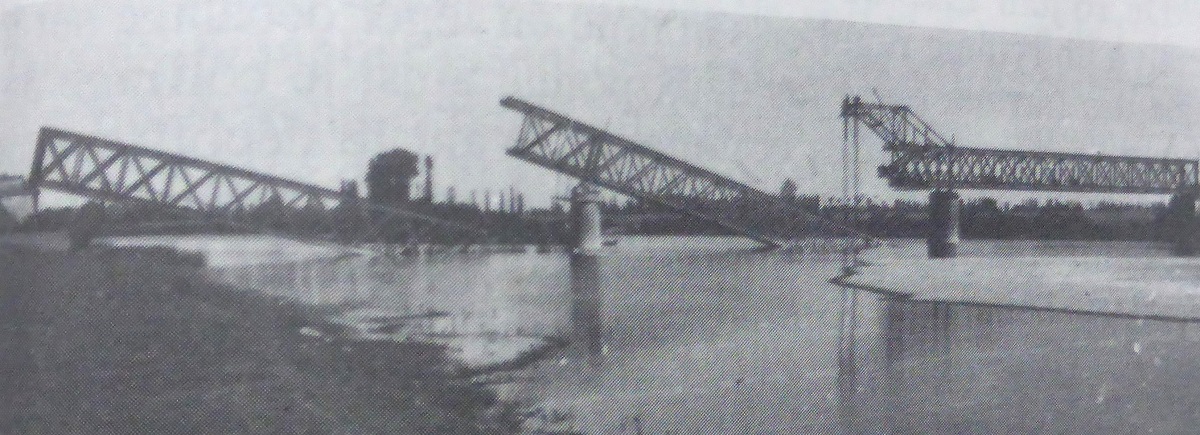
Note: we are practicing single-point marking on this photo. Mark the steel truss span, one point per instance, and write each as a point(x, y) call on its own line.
point(921, 158)
point(113, 171)
point(598, 157)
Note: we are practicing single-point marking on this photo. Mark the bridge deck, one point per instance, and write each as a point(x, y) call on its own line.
point(587, 153)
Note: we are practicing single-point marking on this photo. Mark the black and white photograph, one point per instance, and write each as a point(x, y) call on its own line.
point(599, 217)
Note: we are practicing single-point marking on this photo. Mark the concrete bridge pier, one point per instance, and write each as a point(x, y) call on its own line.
point(944, 206)
point(585, 220)
point(1181, 223)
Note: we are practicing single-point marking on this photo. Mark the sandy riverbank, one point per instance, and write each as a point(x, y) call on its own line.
point(1164, 288)
point(134, 341)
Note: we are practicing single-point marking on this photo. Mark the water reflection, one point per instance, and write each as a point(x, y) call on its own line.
point(587, 302)
point(847, 380)
point(948, 368)
point(728, 341)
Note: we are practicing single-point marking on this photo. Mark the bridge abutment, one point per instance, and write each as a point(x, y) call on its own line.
point(1181, 225)
point(943, 237)
point(585, 220)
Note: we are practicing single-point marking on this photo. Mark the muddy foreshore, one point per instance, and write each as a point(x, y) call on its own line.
point(135, 340)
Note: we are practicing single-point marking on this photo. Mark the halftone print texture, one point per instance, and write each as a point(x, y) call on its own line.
point(576, 217)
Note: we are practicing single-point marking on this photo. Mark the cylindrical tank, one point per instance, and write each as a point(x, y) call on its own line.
point(585, 219)
point(944, 208)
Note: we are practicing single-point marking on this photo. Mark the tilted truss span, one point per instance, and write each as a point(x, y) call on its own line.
point(921, 158)
point(113, 171)
point(598, 157)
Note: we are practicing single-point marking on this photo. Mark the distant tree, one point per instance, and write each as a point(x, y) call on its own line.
point(348, 214)
point(349, 189)
point(85, 225)
point(788, 190)
point(1065, 220)
point(7, 220)
point(272, 213)
point(983, 219)
point(389, 176)
point(808, 202)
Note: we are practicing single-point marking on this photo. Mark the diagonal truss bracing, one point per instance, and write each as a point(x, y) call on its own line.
point(113, 171)
point(921, 158)
point(977, 168)
point(596, 156)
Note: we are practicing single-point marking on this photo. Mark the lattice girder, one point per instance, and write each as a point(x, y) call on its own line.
point(921, 158)
point(113, 171)
point(598, 157)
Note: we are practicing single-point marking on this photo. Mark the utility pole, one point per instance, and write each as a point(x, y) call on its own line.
point(428, 179)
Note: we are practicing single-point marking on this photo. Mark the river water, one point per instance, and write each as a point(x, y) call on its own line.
point(706, 335)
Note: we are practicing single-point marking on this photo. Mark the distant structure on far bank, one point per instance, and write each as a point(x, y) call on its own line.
point(389, 181)
point(428, 197)
point(389, 177)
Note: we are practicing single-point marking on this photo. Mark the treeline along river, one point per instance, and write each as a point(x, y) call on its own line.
point(981, 218)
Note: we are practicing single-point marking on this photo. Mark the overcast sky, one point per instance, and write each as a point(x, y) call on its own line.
point(1173, 22)
point(311, 90)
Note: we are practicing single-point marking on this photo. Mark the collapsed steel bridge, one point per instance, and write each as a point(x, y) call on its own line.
point(114, 171)
point(598, 157)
